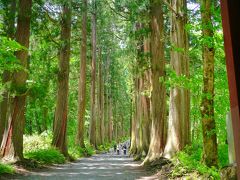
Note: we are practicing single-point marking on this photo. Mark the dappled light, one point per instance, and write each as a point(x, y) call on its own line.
point(105, 166)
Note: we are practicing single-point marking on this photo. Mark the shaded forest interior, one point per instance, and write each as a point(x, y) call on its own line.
point(77, 77)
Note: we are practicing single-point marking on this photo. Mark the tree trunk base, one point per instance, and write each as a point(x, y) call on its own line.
point(155, 162)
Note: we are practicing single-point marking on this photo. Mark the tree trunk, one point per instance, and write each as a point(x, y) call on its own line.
point(110, 120)
point(179, 128)
point(9, 21)
point(158, 130)
point(210, 157)
point(38, 124)
point(45, 118)
point(12, 143)
point(133, 149)
point(82, 79)
point(146, 122)
point(92, 131)
point(101, 79)
point(61, 113)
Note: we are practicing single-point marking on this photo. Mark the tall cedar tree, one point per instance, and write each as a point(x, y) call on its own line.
point(9, 20)
point(179, 107)
point(12, 143)
point(61, 112)
point(158, 98)
point(209, 157)
point(82, 79)
point(92, 129)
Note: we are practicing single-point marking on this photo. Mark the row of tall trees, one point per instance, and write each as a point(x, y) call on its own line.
point(161, 127)
point(45, 70)
point(91, 71)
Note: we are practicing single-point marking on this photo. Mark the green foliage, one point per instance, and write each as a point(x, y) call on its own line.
point(189, 161)
point(6, 169)
point(223, 155)
point(38, 148)
point(77, 152)
point(8, 60)
point(46, 156)
point(37, 142)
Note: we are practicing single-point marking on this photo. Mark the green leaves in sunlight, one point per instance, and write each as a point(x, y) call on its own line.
point(8, 60)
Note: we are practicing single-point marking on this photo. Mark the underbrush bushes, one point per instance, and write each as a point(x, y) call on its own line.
point(37, 141)
point(189, 161)
point(6, 169)
point(46, 156)
point(38, 147)
point(108, 146)
point(77, 152)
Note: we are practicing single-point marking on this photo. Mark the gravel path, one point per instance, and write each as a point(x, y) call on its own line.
point(100, 167)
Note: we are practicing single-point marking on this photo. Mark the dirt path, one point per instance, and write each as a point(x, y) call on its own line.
point(100, 167)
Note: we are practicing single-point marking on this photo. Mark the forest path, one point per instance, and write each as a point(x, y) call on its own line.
point(100, 167)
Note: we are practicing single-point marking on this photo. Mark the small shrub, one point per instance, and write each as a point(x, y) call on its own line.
point(46, 156)
point(90, 150)
point(6, 169)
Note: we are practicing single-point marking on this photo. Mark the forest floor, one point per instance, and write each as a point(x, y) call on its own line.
point(100, 167)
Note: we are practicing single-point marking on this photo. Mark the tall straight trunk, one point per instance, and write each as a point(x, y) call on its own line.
point(101, 81)
point(61, 113)
point(38, 124)
point(209, 157)
point(12, 143)
point(133, 149)
point(137, 148)
point(106, 109)
point(92, 131)
point(82, 79)
point(45, 117)
point(158, 130)
point(179, 123)
point(107, 97)
point(139, 121)
point(110, 120)
point(9, 20)
point(98, 104)
point(145, 101)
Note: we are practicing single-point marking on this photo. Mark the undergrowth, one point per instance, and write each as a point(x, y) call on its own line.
point(46, 156)
point(6, 169)
point(37, 141)
point(77, 152)
point(189, 161)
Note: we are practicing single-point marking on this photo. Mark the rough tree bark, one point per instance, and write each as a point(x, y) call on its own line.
point(61, 113)
point(137, 142)
point(145, 101)
point(110, 120)
point(12, 143)
point(82, 79)
point(209, 157)
point(9, 21)
point(101, 81)
point(133, 148)
point(92, 130)
point(158, 130)
point(179, 123)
